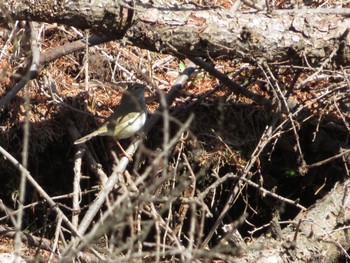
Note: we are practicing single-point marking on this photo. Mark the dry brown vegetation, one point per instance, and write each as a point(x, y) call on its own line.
point(250, 160)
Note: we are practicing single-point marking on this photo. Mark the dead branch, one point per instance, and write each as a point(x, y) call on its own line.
point(194, 31)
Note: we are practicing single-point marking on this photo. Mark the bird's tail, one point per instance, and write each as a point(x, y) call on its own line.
point(89, 136)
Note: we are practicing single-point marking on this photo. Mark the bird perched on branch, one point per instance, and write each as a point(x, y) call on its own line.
point(127, 120)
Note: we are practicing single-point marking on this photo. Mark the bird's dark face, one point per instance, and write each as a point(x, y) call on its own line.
point(136, 90)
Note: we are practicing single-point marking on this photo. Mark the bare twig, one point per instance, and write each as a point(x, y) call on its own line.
point(56, 238)
point(3, 50)
point(264, 140)
point(72, 47)
point(35, 58)
point(317, 72)
point(41, 191)
point(94, 166)
point(334, 157)
point(280, 96)
point(113, 179)
point(267, 192)
point(229, 82)
point(76, 190)
point(188, 193)
point(32, 71)
point(32, 205)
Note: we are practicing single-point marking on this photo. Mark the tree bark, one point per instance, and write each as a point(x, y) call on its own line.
point(322, 233)
point(292, 36)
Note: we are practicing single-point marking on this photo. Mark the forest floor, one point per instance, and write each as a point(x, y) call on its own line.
point(84, 87)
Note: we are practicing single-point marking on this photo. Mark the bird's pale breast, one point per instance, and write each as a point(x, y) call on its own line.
point(130, 127)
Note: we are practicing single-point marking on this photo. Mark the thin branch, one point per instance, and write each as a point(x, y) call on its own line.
point(223, 78)
point(94, 166)
point(35, 48)
point(323, 162)
point(31, 73)
point(68, 253)
point(267, 192)
point(245, 173)
point(72, 47)
point(112, 180)
point(41, 192)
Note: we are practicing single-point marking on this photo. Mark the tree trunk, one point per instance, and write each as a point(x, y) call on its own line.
point(322, 233)
point(282, 36)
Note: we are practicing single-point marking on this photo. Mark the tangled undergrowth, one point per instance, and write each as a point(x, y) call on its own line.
point(170, 199)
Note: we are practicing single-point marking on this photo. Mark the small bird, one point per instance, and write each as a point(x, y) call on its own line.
point(128, 119)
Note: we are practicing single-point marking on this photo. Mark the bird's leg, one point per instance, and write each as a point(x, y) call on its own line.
point(123, 151)
point(141, 135)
